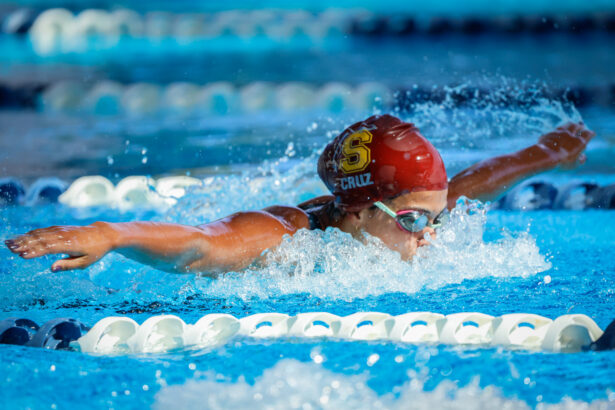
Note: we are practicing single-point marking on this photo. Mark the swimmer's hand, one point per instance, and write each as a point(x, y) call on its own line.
point(84, 245)
point(565, 145)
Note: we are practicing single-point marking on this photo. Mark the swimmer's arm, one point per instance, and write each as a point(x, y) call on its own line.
point(230, 243)
point(489, 179)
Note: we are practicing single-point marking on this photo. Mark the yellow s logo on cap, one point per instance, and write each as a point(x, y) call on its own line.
point(356, 154)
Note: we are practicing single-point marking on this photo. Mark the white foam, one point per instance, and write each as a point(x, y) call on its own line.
point(334, 265)
point(291, 384)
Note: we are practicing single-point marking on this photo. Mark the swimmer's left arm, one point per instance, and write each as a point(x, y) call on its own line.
point(490, 178)
point(230, 243)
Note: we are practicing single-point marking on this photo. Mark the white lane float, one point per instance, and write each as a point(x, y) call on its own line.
point(173, 188)
point(218, 98)
point(159, 334)
point(257, 96)
point(88, 191)
point(568, 333)
point(294, 96)
point(264, 325)
point(416, 327)
point(315, 324)
point(109, 335)
point(49, 30)
point(212, 330)
point(58, 30)
point(525, 331)
point(136, 192)
point(90, 30)
point(466, 329)
point(63, 96)
point(180, 97)
point(188, 26)
point(131, 192)
point(141, 99)
point(366, 326)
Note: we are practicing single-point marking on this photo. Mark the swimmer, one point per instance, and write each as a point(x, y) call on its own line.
point(386, 180)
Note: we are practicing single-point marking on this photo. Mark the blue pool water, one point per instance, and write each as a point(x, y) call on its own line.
point(493, 261)
point(497, 262)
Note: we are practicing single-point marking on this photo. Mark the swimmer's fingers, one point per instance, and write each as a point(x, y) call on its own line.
point(73, 262)
point(27, 246)
point(568, 143)
point(42, 242)
point(579, 131)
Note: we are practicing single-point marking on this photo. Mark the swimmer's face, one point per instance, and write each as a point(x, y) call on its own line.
point(377, 223)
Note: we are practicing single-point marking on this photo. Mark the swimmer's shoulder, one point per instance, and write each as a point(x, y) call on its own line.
point(297, 217)
point(292, 217)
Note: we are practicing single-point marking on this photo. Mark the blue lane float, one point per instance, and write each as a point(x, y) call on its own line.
point(45, 190)
point(11, 191)
point(576, 195)
point(163, 333)
point(18, 22)
point(530, 196)
point(14, 331)
point(41, 191)
point(58, 334)
point(603, 198)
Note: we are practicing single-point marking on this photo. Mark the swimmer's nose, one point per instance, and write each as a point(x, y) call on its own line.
point(432, 235)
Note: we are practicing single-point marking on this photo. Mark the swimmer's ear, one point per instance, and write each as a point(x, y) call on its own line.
point(363, 214)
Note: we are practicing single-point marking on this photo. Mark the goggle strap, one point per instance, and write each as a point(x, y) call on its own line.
point(386, 209)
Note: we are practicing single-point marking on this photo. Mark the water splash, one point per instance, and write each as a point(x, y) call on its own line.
point(334, 265)
point(284, 181)
point(293, 384)
point(467, 116)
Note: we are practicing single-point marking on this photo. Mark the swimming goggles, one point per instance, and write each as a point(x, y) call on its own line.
point(413, 220)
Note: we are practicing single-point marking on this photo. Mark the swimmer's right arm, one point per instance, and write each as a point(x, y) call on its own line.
point(488, 179)
point(231, 243)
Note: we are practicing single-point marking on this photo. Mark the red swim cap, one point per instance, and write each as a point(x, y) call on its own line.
point(379, 158)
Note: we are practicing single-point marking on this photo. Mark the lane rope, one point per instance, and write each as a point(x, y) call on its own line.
point(120, 335)
point(110, 98)
point(60, 30)
point(141, 192)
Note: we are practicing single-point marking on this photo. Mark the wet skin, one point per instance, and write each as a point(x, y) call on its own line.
point(234, 242)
